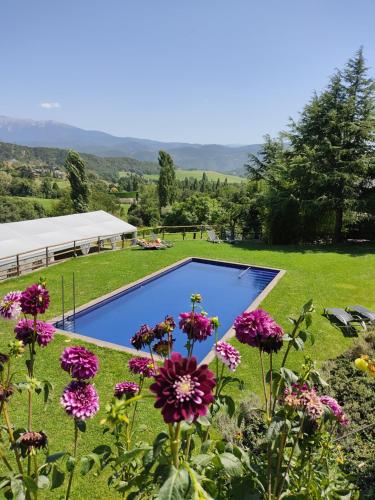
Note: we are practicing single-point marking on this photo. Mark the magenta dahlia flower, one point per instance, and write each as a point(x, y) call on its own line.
point(195, 325)
point(142, 366)
point(183, 389)
point(258, 329)
point(143, 337)
point(24, 331)
point(228, 355)
point(127, 389)
point(79, 362)
point(10, 305)
point(34, 300)
point(336, 410)
point(80, 400)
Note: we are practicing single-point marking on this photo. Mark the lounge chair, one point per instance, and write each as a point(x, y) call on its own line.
point(150, 245)
point(367, 315)
point(344, 320)
point(155, 238)
point(213, 237)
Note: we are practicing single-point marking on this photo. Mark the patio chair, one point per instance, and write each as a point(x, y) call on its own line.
point(345, 321)
point(155, 238)
point(367, 315)
point(213, 237)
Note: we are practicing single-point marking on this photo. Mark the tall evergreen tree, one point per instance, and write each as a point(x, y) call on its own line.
point(167, 180)
point(76, 170)
point(333, 142)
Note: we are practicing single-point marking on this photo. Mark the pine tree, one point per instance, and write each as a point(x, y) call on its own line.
point(167, 180)
point(78, 182)
point(203, 185)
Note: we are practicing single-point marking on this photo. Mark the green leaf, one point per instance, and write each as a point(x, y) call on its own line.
point(70, 463)
point(158, 443)
point(17, 488)
point(230, 464)
point(102, 450)
point(30, 484)
point(43, 482)
point(176, 487)
point(308, 307)
point(274, 429)
point(56, 456)
point(86, 465)
point(298, 344)
point(202, 459)
point(288, 375)
point(57, 478)
point(81, 424)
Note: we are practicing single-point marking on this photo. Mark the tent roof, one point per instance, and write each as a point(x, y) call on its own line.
point(31, 235)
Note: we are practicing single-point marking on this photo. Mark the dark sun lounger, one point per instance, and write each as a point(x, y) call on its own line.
point(344, 320)
point(363, 312)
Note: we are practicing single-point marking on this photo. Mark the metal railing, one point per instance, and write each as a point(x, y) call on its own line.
point(15, 265)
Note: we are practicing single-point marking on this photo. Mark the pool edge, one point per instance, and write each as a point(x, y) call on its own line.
point(118, 291)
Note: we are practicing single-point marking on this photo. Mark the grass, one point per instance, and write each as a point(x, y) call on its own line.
point(332, 276)
point(47, 203)
point(197, 174)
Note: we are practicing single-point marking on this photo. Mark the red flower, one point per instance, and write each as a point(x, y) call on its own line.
point(34, 300)
point(258, 329)
point(183, 390)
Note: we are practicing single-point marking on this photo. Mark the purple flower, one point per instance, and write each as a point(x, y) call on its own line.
point(258, 329)
point(195, 325)
point(143, 337)
point(34, 300)
point(336, 410)
point(10, 306)
point(142, 366)
point(228, 355)
point(5, 392)
point(79, 362)
point(80, 400)
point(127, 389)
point(24, 331)
point(183, 390)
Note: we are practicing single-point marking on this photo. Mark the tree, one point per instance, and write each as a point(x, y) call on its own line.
point(167, 180)
point(333, 143)
point(78, 182)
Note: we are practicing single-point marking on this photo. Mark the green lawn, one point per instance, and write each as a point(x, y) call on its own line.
point(197, 174)
point(47, 203)
point(332, 276)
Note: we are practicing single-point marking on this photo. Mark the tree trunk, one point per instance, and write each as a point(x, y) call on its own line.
point(337, 237)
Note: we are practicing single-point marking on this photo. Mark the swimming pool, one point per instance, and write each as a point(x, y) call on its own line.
point(227, 290)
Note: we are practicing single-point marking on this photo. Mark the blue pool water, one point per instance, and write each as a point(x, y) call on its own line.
point(227, 290)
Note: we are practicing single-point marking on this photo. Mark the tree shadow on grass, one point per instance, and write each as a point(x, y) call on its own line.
point(350, 249)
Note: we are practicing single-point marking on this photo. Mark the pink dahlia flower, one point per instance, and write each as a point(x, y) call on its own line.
point(183, 390)
point(228, 355)
point(336, 410)
point(258, 329)
point(24, 331)
point(10, 306)
point(34, 300)
point(80, 400)
point(195, 325)
point(127, 389)
point(142, 366)
point(79, 362)
point(302, 397)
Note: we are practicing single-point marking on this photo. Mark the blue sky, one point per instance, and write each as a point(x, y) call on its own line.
point(208, 71)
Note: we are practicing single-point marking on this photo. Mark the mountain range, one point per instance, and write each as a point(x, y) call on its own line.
point(54, 134)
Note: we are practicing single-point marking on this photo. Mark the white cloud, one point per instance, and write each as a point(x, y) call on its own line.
point(50, 104)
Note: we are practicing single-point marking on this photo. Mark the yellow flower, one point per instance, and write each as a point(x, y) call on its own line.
point(361, 363)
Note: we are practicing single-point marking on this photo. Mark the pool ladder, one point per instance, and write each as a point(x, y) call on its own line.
point(242, 273)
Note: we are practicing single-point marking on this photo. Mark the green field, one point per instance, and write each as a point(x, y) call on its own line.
point(332, 276)
point(46, 203)
point(197, 174)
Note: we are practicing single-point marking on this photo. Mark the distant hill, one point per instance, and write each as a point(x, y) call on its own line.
point(55, 158)
point(59, 135)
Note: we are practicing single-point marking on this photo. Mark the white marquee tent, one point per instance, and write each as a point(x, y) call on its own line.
point(34, 237)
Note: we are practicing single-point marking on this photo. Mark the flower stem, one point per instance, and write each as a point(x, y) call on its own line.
point(11, 438)
point(280, 490)
point(174, 434)
point(74, 455)
point(263, 382)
